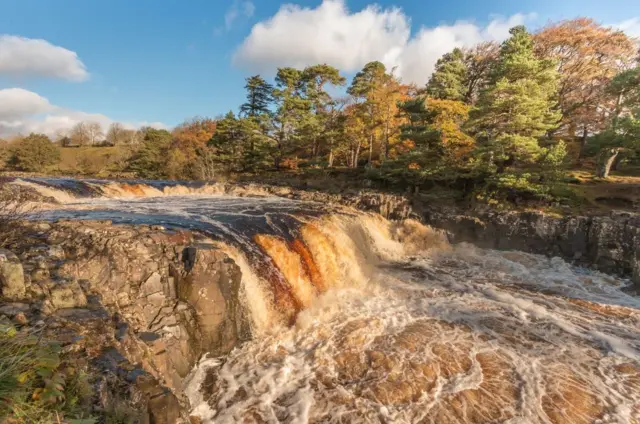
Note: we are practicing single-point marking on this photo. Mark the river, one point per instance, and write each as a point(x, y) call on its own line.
point(359, 319)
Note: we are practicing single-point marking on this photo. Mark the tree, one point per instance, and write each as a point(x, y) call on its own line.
point(516, 108)
point(150, 161)
point(320, 122)
point(366, 88)
point(479, 60)
point(587, 55)
point(34, 153)
point(188, 137)
point(259, 97)
point(625, 137)
point(116, 134)
point(94, 133)
point(448, 80)
point(79, 134)
point(448, 117)
point(292, 113)
point(624, 88)
point(623, 134)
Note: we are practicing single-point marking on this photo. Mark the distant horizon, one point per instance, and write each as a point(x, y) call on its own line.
point(102, 62)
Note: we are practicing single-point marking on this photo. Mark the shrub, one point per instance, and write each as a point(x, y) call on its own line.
point(34, 153)
point(36, 384)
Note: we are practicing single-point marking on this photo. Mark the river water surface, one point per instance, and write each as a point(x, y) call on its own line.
point(358, 319)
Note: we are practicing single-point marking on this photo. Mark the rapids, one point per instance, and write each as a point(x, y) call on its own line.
point(359, 319)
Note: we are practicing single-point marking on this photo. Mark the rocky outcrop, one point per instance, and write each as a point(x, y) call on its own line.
point(11, 275)
point(610, 244)
point(144, 302)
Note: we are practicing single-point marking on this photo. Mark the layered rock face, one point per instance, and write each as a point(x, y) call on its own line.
point(143, 302)
point(610, 244)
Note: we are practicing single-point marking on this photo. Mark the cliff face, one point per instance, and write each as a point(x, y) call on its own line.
point(142, 303)
point(610, 244)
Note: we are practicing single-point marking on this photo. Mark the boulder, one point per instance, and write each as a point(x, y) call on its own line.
point(11, 275)
point(210, 284)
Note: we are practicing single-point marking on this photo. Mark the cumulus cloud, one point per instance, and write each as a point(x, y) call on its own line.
point(23, 111)
point(330, 33)
point(31, 57)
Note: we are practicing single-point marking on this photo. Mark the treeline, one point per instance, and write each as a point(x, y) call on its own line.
point(498, 116)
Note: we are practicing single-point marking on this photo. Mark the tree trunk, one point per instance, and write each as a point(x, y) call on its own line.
point(385, 147)
point(331, 157)
point(356, 155)
point(370, 149)
point(605, 160)
point(617, 161)
point(315, 147)
point(583, 142)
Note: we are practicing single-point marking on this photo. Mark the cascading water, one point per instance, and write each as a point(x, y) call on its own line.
point(357, 319)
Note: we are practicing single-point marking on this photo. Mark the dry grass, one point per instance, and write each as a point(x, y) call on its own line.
point(621, 191)
point(92, 161)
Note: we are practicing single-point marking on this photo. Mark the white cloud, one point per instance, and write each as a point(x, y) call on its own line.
point(330, 33)
point(631, 27)
point(16, 102)
point(23, 112)
point(238, 9)
point(30, 57)
point(418, 57)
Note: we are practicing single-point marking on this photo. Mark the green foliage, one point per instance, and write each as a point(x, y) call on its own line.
point(150, 160)
point(516, 108)
point(239, 145)
point(448, 81)
point(626, 87)
point(36, 385)
point(34, 153)
point(554, 162)
point(259, 97)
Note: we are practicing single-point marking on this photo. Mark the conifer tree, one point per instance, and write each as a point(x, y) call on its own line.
point(448, 81)
point(516, 108)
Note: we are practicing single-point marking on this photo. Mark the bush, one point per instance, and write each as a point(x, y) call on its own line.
point(34, 153)
point(36, 385)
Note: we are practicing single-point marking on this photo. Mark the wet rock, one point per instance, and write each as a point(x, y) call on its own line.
point(210, 285)
point(13, 309)
point(608, 243)
point(12, 281)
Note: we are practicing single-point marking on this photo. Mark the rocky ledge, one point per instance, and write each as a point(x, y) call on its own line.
point(139, 304)
point(610, 244)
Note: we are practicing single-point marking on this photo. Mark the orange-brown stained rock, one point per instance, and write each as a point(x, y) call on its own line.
point(290, 265)
point(309, 265)
point(323, 252)
point(569, 398)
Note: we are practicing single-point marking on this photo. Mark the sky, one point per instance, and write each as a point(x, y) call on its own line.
point(159, 62)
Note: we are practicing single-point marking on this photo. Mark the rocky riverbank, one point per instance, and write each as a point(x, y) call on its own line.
point(138, 305)
point(610, 244)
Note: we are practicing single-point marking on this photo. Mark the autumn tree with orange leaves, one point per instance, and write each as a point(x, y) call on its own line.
point(588, 56)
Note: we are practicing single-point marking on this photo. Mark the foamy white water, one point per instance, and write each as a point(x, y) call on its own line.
point(456, 336)
point(357, 319)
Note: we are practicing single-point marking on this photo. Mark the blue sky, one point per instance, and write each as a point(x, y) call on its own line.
point(164, 61)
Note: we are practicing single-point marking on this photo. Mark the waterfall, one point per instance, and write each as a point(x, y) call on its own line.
point(359, 319)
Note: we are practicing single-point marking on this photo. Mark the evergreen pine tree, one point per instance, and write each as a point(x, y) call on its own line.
point(449, 80)
point(516, 107)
